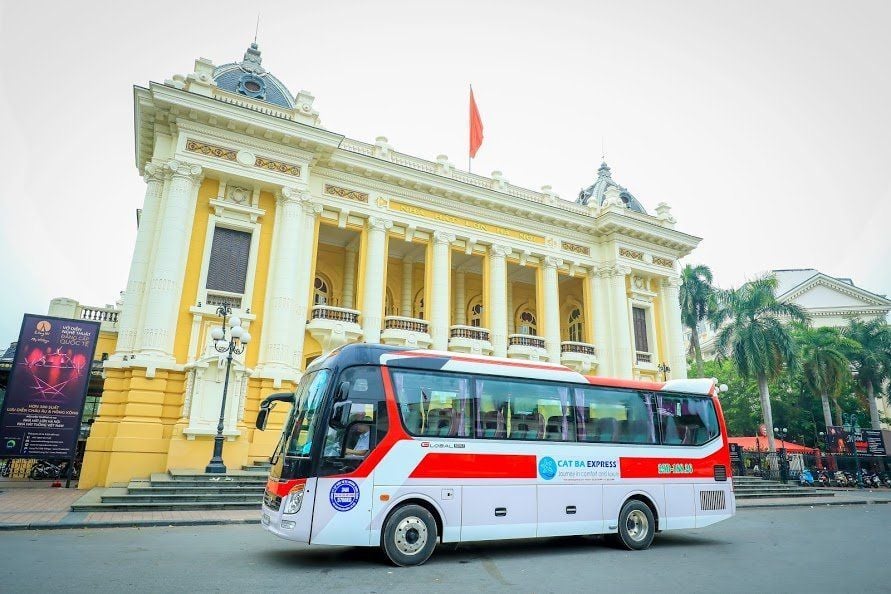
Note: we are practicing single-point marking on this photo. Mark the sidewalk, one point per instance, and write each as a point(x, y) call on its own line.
point(31, 506)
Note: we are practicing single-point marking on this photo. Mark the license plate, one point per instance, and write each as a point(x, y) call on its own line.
point(265, 519)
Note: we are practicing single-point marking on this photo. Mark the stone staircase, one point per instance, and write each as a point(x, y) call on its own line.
point(182, 490)
point(752, 487)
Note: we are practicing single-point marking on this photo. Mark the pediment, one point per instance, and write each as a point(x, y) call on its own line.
point(825, 292)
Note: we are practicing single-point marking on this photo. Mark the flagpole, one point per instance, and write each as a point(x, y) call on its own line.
point(470, 86)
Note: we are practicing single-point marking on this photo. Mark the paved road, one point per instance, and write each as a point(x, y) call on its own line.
point(829, 549)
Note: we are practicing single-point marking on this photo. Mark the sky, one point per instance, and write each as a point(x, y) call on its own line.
point(765, 125)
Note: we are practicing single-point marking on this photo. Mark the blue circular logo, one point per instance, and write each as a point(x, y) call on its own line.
point(344, 495)
point(547, 468)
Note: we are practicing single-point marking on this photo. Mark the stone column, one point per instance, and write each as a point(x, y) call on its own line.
point(674, 331)
point(280, 332)
point(551, 307)
point(375, 275)
point(498, 298)
point(623, 353)
point(598, 291)
point(166, 279)
point(303, 300)
point(438, 307)
point(349, 277)
point(460, 299)
point(511, 321)
point(406, 308)
point(134, 295)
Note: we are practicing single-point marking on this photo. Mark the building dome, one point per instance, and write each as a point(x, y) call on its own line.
point(250, 79)
point(596, 192)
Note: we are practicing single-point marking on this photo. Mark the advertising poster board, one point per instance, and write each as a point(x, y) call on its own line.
point(47, 387)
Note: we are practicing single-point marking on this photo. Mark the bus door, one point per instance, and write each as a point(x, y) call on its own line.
point(357, 423)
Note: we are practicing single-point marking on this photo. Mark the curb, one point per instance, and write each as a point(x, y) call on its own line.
point(814, 504)
point(134, 524)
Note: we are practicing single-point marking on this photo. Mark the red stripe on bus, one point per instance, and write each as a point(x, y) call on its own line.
point(284, 487)
point(667, 467)
point(475, 466)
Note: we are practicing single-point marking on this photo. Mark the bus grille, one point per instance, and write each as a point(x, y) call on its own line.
point(720, 472)
point(272, 501)
point(711, 500)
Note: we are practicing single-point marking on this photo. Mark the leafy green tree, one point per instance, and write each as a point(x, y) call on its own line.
point(871, 361)
point(697, 297)
point(756, 338)
point(824, 363)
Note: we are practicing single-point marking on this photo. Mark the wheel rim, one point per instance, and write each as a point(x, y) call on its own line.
point(410, 536)
point(637, 525)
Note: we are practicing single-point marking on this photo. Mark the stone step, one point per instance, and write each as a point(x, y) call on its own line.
point(170, 506)
point(195, 489)
point(198, 498)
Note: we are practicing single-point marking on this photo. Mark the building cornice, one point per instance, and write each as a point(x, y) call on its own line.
point(836, 285)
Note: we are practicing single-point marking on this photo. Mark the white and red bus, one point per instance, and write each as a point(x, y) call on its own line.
point(402, 449)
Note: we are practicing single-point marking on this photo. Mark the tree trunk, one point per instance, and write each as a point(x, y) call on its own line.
point(697, 350)
point(838, 411)
point(767, 412)
point(827, 414)
point(873, 406)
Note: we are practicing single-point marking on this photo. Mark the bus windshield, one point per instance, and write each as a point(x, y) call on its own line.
point(307, 406)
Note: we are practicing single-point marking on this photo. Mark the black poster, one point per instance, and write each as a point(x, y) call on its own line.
point(47, 387)
point(875, 445)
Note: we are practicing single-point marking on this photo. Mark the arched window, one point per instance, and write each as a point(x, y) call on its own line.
point(527, 324)
point(389, 308)
point(576, 325)
point(321, 292)
point(419, 305)
point(475, 312)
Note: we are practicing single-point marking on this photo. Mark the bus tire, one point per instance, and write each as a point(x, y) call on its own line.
point(637, 526)
point(409, 536)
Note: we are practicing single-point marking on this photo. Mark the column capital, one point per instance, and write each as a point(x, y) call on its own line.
point(379, 224)
point(670, 282)
point(500, 250)
point(552, 262)
point(311, 207)
point(289, 194)
point(612, 270)
point(443, 237)
point(153, 173)
point(188, 171)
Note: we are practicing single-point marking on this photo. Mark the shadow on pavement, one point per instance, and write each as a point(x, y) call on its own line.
point(341, 557)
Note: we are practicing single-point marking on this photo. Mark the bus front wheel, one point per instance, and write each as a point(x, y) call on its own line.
point(637, 526)
point(409, 536)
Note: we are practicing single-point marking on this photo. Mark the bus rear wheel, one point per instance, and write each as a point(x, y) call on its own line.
point(409, 536)
point(637, 526)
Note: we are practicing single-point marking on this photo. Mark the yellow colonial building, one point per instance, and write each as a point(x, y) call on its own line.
point(316, 240)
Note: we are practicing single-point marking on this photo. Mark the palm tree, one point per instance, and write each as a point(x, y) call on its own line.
point(872, 360)
point(756, 337)
point(697, 301)
point(824, 362)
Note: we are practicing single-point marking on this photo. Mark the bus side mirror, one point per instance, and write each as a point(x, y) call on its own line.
point(343, 391)
point(340, 416)
point(262, 417)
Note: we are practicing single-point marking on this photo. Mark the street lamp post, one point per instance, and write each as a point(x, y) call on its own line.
point(852, 424)
point(665, 369)
point(237, 340)
point(782, 433)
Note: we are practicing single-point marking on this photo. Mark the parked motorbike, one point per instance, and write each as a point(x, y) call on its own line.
point(840, 479)
point(45, 469)
point(823, 479)
point(806, 479)
point(885, 479)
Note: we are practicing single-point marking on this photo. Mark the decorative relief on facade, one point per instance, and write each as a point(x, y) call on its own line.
point(210, 150)
point(467, 223)
point(575, 248)
point(346, 193)
point(239, 195)
point(277, 166)
point(631, 254)
point(663, 262)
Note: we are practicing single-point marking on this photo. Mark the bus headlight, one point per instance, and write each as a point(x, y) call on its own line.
point(294, 500)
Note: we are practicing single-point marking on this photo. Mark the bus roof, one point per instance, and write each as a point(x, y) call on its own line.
point(417, 358)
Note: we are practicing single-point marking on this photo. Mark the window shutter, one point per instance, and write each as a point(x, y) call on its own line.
point(229, 253)
point(640, 329)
